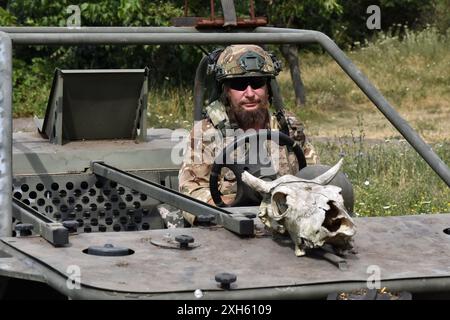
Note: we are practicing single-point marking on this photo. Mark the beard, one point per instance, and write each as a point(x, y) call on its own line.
point(251, 119)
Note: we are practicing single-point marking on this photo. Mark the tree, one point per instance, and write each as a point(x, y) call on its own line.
point(394, 13)
point(290, 53)
point(300, 14)
point(108, 13)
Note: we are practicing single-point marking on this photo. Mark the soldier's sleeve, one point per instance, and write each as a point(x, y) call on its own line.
point(311, 156)
point(194, 174)
point(297, 134)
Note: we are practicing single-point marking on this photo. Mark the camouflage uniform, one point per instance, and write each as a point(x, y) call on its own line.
point(196, 168)
point(209, 136)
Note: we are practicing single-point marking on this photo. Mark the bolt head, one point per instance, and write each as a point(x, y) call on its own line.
point(205, 218)
point(225, 278)
point(70, 224)
point(24, 227)
point(184, 239)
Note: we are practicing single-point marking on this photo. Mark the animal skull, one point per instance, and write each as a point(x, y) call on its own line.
point(312, 212)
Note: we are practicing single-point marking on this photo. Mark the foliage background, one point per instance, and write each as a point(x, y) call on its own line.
point(343, 20)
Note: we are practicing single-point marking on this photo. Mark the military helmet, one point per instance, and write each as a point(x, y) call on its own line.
point(245, 61)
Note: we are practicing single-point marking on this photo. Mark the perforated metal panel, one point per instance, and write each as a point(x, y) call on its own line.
point(99, 205)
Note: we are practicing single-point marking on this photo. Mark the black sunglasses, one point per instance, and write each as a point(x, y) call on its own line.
point(241, 84)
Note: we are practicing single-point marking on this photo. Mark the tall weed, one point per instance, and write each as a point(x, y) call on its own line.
point(389, 177)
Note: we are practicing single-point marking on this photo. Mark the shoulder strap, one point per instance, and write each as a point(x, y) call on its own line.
point(282, 122)
point(217, 113)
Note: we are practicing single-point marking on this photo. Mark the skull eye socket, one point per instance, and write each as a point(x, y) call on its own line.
point(279, 205)
point(331, 222)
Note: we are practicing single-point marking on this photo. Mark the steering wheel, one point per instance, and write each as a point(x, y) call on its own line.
point(255, 163)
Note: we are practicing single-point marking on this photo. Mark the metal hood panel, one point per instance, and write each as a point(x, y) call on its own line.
point(406, 247)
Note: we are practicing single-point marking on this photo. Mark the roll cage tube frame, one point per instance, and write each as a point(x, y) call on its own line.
point(10, 36)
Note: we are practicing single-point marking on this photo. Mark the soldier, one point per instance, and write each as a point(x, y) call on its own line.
point(242, 73)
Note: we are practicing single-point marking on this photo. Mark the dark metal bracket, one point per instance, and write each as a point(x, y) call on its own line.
point(72, 95)
point(334, 259)
point(229, 13)
point(52, 231)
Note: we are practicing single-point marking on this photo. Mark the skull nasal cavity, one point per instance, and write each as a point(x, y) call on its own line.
point(279, 203)
point(330, 222)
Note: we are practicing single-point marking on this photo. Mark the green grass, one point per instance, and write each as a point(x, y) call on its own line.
point(402, 68)
point(411, 73)
point(170, 108)
point(389, 177)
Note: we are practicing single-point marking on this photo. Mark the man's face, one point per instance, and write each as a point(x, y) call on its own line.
point(249, 100)
point(248, 93)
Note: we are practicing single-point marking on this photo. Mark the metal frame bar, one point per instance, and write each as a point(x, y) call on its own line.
point(52, 231)
point(5, 135)
point(98, 29)
point(237, 223)
point(413, 138)
point(172, 35)
point(163, 38)
point(143, 101)
point(57, 133)
point(199, 88)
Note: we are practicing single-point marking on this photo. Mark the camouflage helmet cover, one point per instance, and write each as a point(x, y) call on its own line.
point(246, 61)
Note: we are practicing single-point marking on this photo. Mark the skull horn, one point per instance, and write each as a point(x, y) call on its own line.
point(326, 177)
point(255, 183)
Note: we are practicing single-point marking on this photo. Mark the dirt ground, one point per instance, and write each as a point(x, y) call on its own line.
point(24, 125)
point(432, 125)
point(376, 128)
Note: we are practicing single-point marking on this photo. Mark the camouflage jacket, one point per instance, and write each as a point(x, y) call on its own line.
point(203, 146)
